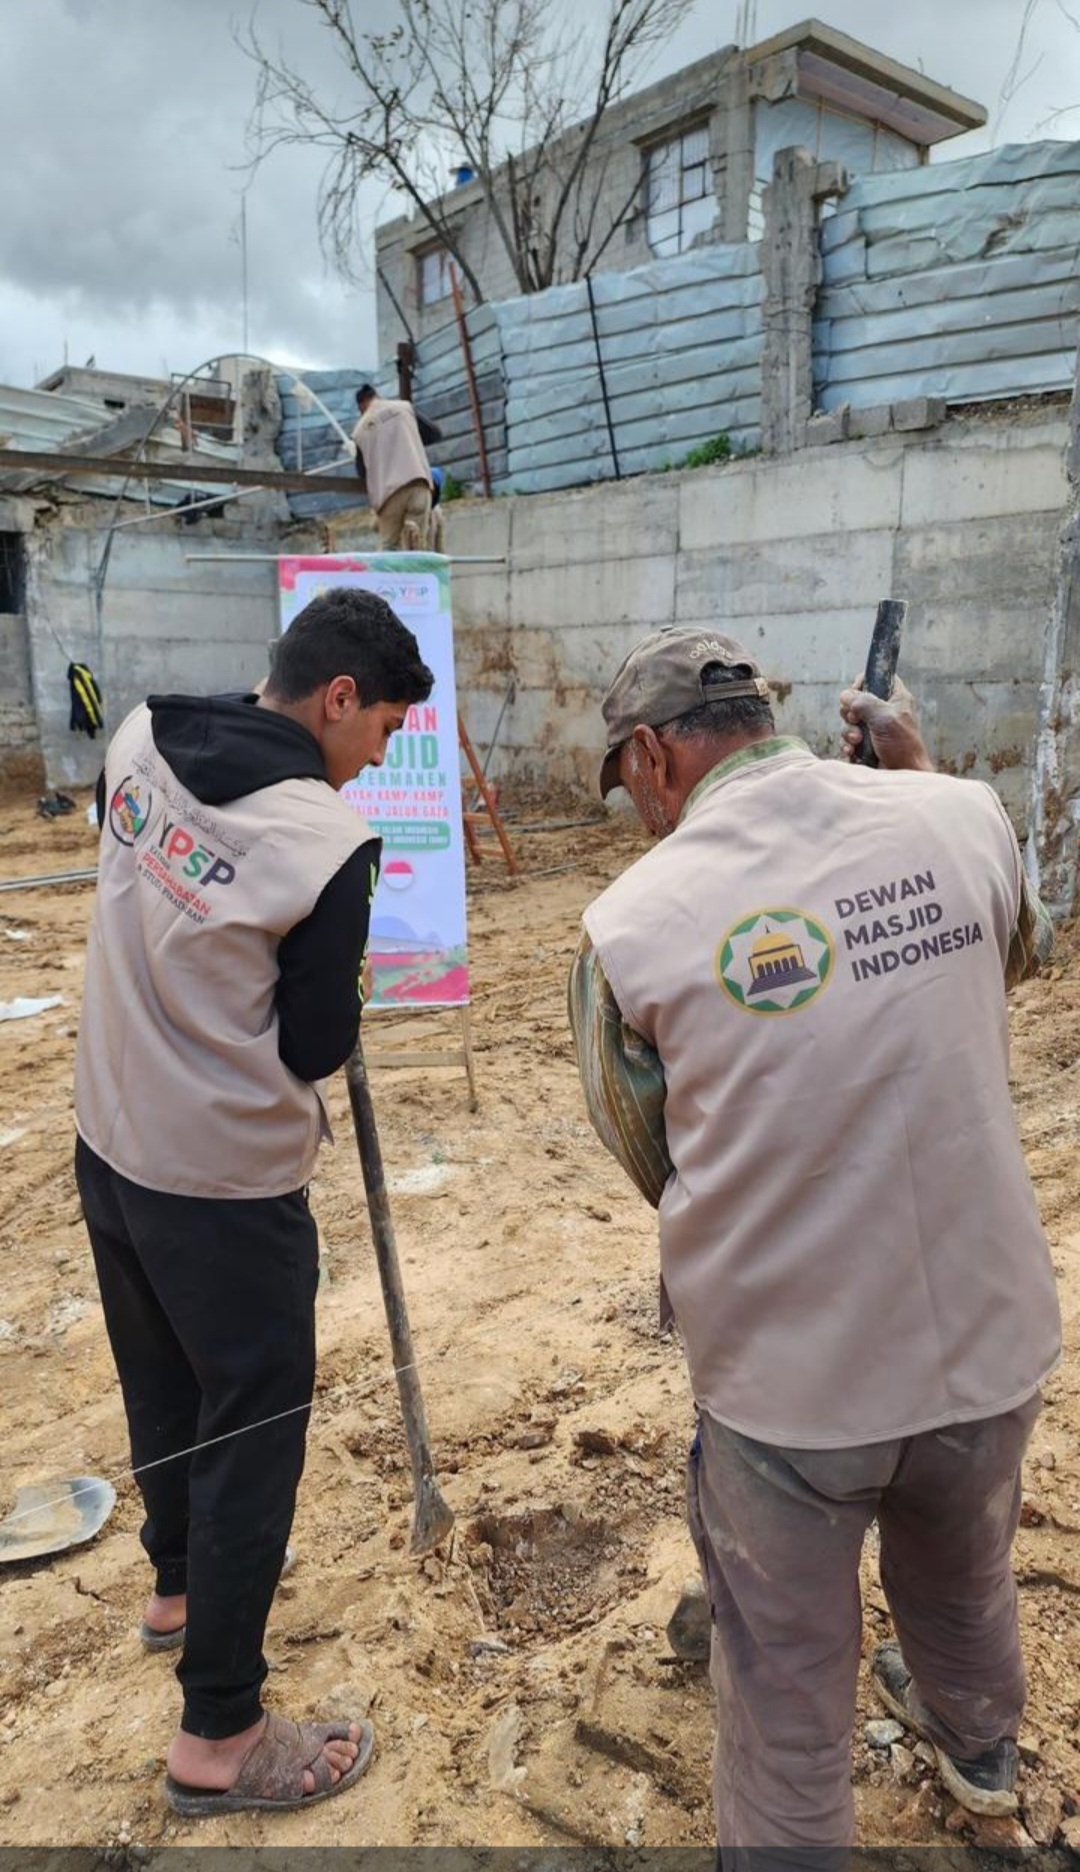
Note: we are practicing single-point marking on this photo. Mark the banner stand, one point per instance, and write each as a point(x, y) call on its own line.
point(463, 1058)
point(413, 802)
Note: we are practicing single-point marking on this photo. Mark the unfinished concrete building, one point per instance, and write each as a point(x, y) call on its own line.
point(684, 163)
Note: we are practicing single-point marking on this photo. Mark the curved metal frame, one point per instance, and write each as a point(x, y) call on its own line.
point(101, 570)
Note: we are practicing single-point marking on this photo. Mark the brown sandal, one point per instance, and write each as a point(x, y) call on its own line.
point(272, 1773)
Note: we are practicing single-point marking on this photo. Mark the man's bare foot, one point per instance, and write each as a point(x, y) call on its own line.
point(165, 1613)
point(198, 1762)
point(168, 1613)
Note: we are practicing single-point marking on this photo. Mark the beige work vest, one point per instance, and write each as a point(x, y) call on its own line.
point(178, 1082)
point(849, 1240)
point(389, 441)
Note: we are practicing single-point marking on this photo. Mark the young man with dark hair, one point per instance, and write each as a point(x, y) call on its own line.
point(222, 985)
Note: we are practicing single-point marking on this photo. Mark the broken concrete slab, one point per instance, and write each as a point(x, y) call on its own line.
point(828, 426)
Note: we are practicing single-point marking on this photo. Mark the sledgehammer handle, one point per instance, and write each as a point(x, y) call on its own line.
point(432, 1519)
point(881, 663)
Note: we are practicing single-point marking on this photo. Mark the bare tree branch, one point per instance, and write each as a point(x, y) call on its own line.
point(507, 87)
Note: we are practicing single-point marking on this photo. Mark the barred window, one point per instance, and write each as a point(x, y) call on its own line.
point(679, 199)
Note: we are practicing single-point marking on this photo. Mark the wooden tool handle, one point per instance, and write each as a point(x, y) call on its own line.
point(881, 663)
point(432, 1519)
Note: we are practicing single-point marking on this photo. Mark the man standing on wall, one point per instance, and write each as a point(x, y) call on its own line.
point(390, 439)
point(222, 987)
point(791, 1028)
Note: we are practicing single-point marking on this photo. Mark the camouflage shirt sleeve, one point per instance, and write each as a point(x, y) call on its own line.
point(621, 1077)
point(1032, 938)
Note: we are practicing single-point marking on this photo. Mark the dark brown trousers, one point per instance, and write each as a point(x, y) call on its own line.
point(779, 1534)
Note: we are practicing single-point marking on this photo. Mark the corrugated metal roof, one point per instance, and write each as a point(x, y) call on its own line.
point(46, 420)
point(39, 419)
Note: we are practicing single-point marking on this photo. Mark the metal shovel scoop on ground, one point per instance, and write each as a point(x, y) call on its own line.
point(50, 1517)
point(432, 1519)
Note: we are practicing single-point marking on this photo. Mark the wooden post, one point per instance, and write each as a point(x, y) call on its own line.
point(470, 374)
point(491, 811)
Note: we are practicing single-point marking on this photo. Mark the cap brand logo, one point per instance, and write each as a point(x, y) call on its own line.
point(708, 647)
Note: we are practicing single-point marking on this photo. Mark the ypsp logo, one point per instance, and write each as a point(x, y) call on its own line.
point(129, 809)
point(178, 844)
point(399, 592)
point(775, 961)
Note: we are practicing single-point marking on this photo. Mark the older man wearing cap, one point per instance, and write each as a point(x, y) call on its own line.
point(791, 1029)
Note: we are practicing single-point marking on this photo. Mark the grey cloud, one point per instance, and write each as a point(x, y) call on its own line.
point(125, 123)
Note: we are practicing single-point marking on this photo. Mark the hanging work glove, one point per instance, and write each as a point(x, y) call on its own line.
point(87, 714)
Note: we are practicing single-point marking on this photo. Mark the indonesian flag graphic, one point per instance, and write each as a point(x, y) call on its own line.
point(398, 874)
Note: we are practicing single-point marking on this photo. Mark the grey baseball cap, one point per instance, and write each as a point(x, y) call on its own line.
point(661, 679)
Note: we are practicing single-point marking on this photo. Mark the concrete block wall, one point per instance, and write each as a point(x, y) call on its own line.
point(18, 723)
point(169, 623)
point(20, 758)
point(791, 556)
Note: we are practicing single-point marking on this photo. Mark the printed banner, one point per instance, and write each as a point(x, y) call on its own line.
point(413, 801)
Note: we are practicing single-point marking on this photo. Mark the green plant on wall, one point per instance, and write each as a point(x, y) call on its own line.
point(716, 449)
point(451, 489)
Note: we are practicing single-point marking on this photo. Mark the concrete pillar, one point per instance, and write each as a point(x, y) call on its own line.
point(259, 424)
point(791, 264)
point(1052, 854)
point(736, 125)
point(20, 749)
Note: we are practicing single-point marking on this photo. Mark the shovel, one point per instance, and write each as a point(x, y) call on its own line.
point(50, 1517)
point(881, 663)
point(432, 1519)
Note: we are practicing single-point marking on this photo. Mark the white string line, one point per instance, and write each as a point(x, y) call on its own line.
point(125, 1475)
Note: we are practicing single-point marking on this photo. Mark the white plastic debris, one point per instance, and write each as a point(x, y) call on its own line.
point(423, 1181)
point(25, 1005)
point(503, 1738)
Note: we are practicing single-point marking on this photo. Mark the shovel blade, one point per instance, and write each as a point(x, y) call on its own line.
point(50, 1517)
point(432, 1519)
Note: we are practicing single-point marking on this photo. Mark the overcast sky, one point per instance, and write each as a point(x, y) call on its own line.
point(124, 144)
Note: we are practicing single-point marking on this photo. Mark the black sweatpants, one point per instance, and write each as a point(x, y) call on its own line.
point(210, 1310)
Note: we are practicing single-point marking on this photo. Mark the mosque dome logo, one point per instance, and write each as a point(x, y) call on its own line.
point(775, 961)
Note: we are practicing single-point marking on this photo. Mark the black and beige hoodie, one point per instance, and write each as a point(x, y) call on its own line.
point(222, 976)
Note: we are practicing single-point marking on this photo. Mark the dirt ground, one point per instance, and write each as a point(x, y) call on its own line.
point(522, 1686)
